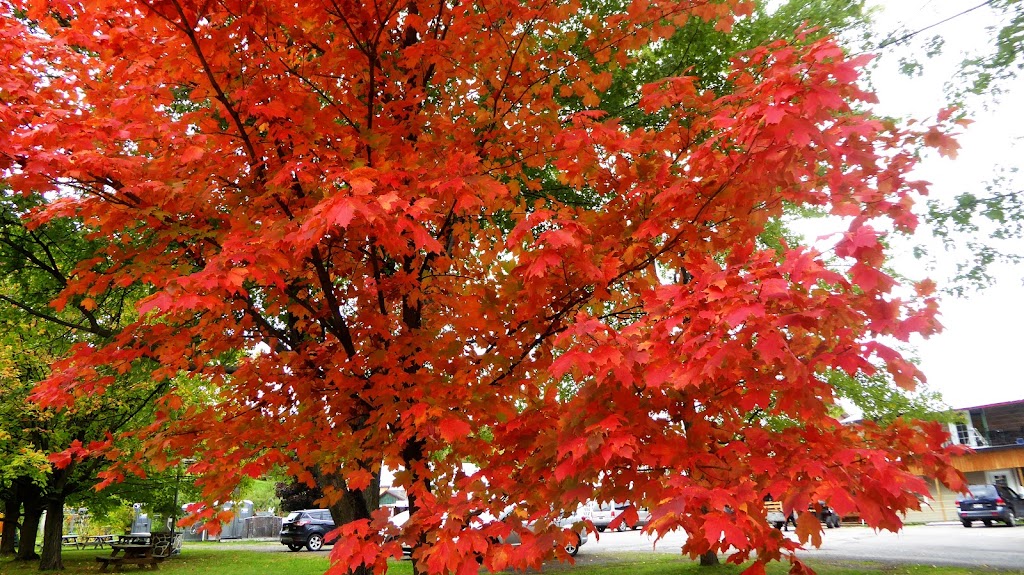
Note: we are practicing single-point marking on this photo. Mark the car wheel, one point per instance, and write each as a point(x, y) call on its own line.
point(1011, 519)
point(779, 524)
point(966, 523)
point(293, 547)
point(623, 527)
point(602, 528)
point(573, 548)
point(315, 542)
point(987, 522)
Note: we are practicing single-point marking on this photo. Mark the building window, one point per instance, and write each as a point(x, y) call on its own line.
point(962, 434)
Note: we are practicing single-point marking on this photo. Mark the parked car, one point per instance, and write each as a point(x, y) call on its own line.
point(826, 515)
point(602, 514)
point(777, 518)
point(572, 548)
point(643, 516)
point(988, 503)
point(775, 515)
point(307, 528)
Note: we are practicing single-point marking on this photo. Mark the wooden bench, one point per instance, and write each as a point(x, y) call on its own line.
point(132, 551)
point(119, 561)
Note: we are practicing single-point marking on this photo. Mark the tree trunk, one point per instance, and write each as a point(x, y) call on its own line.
point(12, 512)
point(709, 559)
point(51, 559)
point(411, 455)
point(359, 504)
point(29, 529)
point(354, 505)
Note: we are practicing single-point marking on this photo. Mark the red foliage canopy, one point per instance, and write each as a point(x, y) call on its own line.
point(405, 233)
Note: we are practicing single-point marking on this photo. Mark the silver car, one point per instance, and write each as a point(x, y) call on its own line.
point(572, 548)
point(603, 514)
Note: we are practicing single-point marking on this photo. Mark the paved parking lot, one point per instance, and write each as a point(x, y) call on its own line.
point(994, 547)
point(999, 547)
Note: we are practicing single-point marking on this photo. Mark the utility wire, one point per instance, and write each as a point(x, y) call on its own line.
point(909, 35)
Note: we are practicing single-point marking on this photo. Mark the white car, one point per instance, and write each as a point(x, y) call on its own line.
point(603, 514)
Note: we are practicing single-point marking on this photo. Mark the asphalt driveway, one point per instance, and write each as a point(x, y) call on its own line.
point(999, 547)
point(941, 544)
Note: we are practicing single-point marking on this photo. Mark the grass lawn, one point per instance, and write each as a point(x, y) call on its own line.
point(197, 560)
point(193, 560)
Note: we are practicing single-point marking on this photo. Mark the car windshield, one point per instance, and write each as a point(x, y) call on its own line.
point(980, 491)
point(293, 516)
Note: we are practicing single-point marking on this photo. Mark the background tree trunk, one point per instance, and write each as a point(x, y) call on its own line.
point(53, 529)
point(12, 512)
point(29, 529)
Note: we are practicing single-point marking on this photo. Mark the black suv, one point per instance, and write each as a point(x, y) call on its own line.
point(307, 528)
point(988, 503)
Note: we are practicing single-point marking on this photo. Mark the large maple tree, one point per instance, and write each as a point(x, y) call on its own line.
point(405, 233)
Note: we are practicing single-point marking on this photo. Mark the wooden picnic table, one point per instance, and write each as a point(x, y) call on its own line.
point(97, 541)
point(69, 540)
point(131, 549)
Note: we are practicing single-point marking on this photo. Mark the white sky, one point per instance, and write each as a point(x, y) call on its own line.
point(976, 359)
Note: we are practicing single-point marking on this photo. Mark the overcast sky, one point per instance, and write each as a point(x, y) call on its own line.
point(977, 359)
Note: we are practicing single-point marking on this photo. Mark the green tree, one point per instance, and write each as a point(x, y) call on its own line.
point(986, 73)
point(297, 495)
point(51, 464)
point(22, 466)
point(983, 225)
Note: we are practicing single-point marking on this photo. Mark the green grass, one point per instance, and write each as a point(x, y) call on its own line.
point(193, 560)
point(202, 559)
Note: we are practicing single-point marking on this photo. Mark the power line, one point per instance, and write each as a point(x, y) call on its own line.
point(909, 35)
